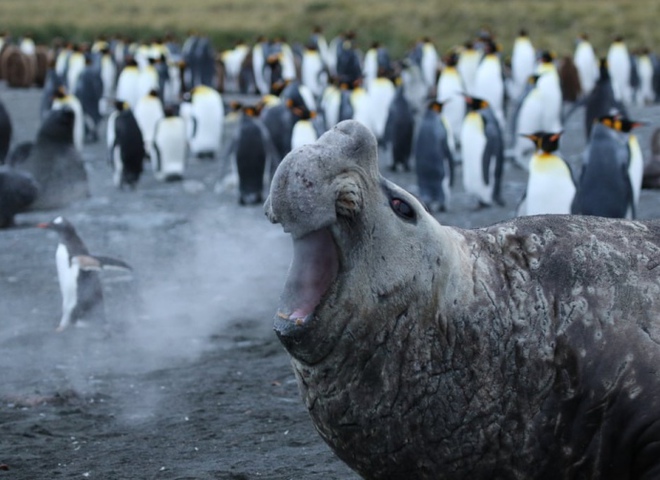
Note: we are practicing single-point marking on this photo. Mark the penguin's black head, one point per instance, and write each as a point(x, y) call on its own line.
point(545, 141)
point(547, 57)
point(436, 106)
point(473, 103)
point(451, 60)
point(626, 125)
point(620, 123)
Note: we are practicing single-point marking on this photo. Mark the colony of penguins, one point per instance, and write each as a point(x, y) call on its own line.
point(156, 105)
point(166, 101)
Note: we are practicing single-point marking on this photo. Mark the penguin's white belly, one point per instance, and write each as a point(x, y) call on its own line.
point(118, 165)
point(208, 131)
point(147, 114)
point(380, 95)
point(303, 134)
point(450, 90)
point(551, 98)
point(473, 143)
point(170, 140)
point(550, 190)
point(67, 274)
point(331, 101)
point(635, 168)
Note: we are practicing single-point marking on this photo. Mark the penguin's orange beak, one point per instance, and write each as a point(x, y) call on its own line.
point(43, 225)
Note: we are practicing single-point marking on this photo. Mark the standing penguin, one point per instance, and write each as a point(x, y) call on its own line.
point(253, 148)
point(169, 148)
point(482, 152)
point(549, 87)
point(77, 272)
point(148, 111)
point(619, 66)
point(467, 65)
point(278, 120)
point(586, 63)
point(489, 81)
point(89, 91)
point(399, 131)
point(127, 151)
point(550, 185)
point(523, 61)
point(204, 113)
point(604, 188)
point(434, 160)
point(380, 94)
point(63, 99)
point(128, 89)
point(525, 121)
point(602, 100)
point(303, 131)
point(450, 90)
point(635, 157)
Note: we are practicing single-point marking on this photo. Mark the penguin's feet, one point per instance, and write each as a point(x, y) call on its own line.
point(481, 205)
point(499, 201)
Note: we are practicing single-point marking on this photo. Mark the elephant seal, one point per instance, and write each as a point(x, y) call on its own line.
point(528, 349)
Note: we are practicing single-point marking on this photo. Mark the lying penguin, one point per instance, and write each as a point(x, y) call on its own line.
point(78, 275)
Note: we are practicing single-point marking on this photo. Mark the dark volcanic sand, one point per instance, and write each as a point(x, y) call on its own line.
point(191, 383)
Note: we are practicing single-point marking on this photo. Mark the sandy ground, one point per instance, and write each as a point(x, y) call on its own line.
point(191, 383)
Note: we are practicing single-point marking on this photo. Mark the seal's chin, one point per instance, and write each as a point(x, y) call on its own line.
point(314, 269)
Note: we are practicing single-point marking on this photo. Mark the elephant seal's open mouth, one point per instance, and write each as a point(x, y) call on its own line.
point(314, 268)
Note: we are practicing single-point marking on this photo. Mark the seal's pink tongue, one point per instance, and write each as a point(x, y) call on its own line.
point(314, 268)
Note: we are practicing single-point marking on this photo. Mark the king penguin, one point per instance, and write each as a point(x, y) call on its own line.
point(204, 114)
point(549, 87)
point(399, 131)
point(550, 184)
point(127, 151)
point(78, 275)
point(482, 152)
point(604, 188)
point(148, 111)
point(67, 100)
point(523, 62)
point(489, 81)
point(619, 65)
point(253, 149)
point(586, 63)
point(128, 88)
point(169, 148)
point(468, 63)
point(434, 159)
point(635, 157)
point(525, 121)
point(450, 90)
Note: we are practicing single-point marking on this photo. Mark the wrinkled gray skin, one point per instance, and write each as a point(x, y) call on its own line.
point(526, 350)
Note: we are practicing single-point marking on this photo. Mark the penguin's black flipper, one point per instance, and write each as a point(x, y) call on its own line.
point(97, 263)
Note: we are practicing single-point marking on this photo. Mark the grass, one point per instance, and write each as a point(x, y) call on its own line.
point(552, 25)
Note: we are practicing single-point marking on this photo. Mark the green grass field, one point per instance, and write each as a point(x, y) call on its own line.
point(552, 24)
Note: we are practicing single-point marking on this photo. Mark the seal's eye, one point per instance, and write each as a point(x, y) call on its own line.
point(402, 209)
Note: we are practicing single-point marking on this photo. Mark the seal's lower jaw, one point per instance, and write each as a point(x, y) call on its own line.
point(313, 271)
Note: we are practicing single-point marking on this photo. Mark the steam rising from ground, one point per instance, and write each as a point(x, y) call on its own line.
point(199, 283)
